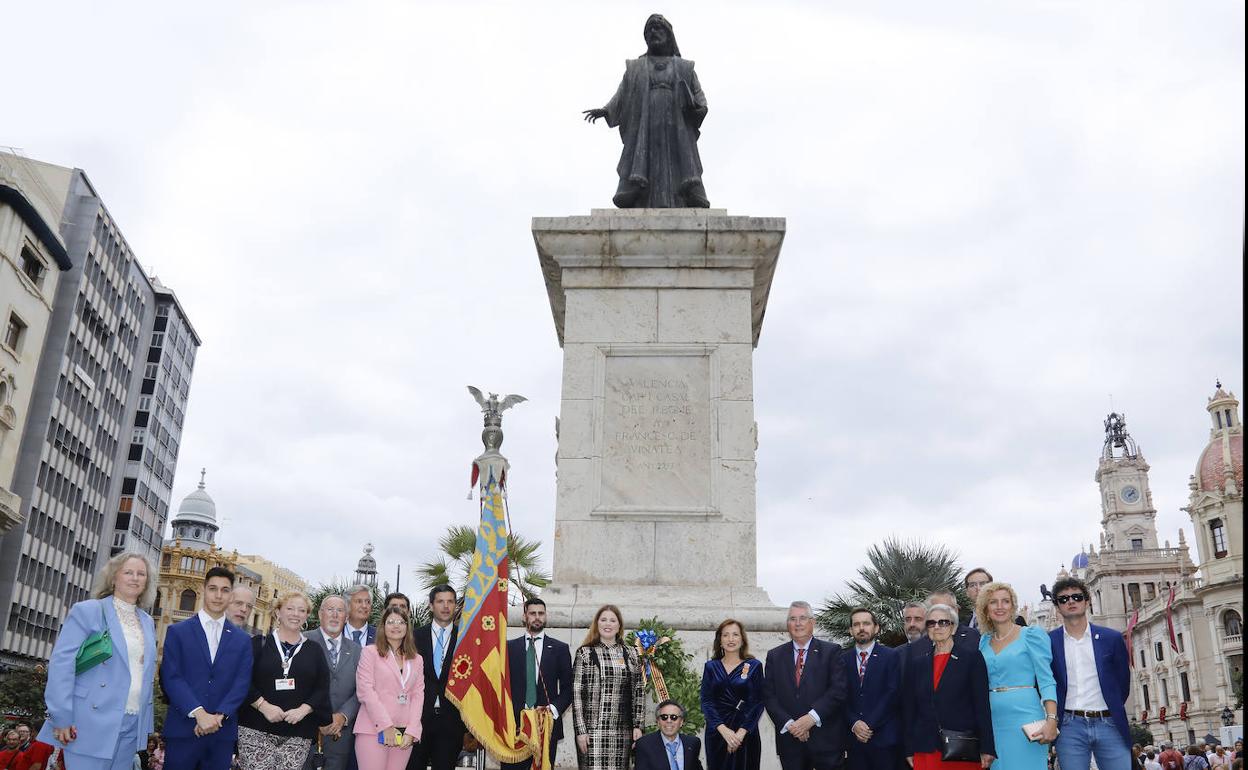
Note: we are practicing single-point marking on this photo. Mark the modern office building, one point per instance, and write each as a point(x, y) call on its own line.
point(157, 411)
point(71, 461)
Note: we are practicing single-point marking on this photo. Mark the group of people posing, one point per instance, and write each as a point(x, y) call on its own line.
point(352, 695)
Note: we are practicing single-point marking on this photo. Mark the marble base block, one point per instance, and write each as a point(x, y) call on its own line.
point(658, 312)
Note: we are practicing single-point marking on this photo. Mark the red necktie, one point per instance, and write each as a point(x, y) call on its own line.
point(801, 663)
point(862, 666)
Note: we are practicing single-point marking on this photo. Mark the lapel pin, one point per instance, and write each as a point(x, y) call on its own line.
point(1096, 636)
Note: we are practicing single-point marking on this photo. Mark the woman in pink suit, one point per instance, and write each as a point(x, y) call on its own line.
point(390, 684)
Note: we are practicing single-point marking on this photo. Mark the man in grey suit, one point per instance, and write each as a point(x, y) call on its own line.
point(343, 655)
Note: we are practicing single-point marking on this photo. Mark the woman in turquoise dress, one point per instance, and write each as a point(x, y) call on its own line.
point(1021, 688)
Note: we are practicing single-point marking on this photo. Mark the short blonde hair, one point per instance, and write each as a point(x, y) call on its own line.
point(106, 578)
point(985, 595)
point(287, 596)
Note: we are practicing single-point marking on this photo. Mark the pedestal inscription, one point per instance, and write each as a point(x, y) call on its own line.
point(656, 433)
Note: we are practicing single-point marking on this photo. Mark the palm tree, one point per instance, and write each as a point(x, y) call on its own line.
point(453, 564)
point(897, 572)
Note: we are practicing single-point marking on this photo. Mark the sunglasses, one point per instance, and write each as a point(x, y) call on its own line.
point(670, 717)
point(943, 623)
point(1071, 598)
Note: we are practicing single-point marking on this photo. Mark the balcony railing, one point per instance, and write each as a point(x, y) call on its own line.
point(1232, 642)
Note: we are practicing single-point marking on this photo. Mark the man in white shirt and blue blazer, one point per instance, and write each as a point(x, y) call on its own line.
point(206, 672)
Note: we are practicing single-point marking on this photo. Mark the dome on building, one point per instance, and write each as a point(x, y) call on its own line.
point(1224, 455)
point(367, 562)
point(197, 507)
point(1079, 561)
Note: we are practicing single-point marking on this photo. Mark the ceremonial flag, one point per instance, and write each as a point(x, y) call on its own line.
point(1135, 618)
point(479, 684)
point(1174, 642)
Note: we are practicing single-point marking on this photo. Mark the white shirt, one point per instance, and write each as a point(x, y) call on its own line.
point(858, 650)
point(434, 628)
point(351, 630)
point(539, 642)
point(213, 634)
point(133, 632)
point(1083, 686)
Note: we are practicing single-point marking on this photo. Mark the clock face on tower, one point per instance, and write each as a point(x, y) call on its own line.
point(1129, 494)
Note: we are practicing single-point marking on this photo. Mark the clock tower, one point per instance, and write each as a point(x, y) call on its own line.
point(1128, 518)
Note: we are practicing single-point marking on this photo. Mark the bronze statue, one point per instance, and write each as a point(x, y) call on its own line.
point(659, 108)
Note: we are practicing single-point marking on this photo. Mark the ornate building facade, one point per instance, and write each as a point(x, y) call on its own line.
point(1181, 683)
point(193, 550)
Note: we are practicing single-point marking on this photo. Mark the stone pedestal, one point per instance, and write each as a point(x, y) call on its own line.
point(658, 312)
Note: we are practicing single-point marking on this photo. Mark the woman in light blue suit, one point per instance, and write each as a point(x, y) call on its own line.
point(101, 718)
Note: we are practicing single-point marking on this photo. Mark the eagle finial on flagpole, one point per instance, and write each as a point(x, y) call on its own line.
point(491, 460)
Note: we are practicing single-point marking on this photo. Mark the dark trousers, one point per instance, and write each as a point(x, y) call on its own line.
point(528, 763)
point(441, 740)
point(795, 755)
point(208, 753)
point(868, 757)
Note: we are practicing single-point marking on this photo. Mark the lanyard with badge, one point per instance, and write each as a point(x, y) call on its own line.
point(404, 675)
point(286, 682)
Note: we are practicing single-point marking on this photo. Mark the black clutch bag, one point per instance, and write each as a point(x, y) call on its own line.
point(958, 746)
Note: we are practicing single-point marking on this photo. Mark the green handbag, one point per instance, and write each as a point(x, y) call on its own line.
point(95, 649)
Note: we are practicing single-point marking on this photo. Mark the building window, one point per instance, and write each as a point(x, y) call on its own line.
point(187, 602)
point(1181, 647)
point(1133, 591)
point(1150, 591)
point(1232, 624)
point(14, 332)
point(1215, 529)
point(1157, 650)
point(1229, 422)
point(1143, 659)
point(1148, 706)
point(32, 266)
point(1185, 686)
point(1137, 544)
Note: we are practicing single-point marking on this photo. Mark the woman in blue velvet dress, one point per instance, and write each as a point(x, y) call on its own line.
point(732, 701)
point(1021, 688)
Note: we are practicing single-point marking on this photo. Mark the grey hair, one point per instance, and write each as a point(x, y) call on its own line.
point(106, 579)
point(240, 587)
point(355, 589)
point(802, 605)
point(945, 608)
point(912, 605)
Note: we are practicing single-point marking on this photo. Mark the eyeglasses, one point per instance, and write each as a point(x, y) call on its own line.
point(1070, 598)
point(798, 618)
point(670, 717)
point(943, 623)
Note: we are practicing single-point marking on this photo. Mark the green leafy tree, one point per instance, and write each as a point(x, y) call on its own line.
point(337, 588)
point(896, 572)
point(684, 685)
point(21, 695)
point(1141, 734)
point(454, 562)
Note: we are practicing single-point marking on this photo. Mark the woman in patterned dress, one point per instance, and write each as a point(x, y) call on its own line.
point(608, 696)
point(289, 694)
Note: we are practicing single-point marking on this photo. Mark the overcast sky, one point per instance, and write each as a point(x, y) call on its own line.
point(999, 214)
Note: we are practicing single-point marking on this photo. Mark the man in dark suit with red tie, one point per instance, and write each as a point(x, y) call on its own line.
point(541, 674)
point(872, 711)
point(804, 691)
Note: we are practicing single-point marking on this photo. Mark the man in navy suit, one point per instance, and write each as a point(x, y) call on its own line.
point(872, 709)
point(206, 672)
point(1093, 679)
point(551, 685)
point(442, 730)
point(359, 611)
point(667, 749)
point(804, 691)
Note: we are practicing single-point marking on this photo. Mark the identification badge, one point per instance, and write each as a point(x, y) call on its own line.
point(284, 684)
point(402, 699)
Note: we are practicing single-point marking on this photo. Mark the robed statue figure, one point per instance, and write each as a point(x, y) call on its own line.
point(659, 108)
